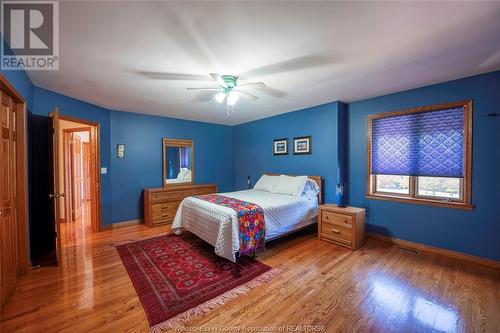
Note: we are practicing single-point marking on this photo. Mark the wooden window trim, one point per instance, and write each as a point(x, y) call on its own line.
point(466, 188)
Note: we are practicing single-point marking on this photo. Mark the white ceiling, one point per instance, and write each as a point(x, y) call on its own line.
point(141, 56)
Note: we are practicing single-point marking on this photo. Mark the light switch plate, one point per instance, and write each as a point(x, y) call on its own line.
point(104, 171)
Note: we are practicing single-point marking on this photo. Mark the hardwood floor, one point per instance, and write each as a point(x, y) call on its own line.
point(76, 232)
point(379, 288)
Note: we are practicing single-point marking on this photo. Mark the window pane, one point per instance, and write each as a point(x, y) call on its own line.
point(393, 184)
point(439, 187)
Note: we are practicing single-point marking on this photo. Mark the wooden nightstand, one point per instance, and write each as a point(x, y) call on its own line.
point(342, 226)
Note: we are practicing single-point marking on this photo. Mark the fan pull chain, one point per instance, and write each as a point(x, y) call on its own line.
point(229, 110)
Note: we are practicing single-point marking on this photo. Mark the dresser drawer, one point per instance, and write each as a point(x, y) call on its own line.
point(179, 195)
point(337, 219)
point(165, 210)
point(201, 191)
point(160, 221)
point(169, 196)
point(333, 229)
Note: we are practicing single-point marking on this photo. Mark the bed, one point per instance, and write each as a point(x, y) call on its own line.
point(219, 225)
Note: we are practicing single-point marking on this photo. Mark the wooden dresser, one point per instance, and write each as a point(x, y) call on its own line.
point(160, 204)
point(342, 226)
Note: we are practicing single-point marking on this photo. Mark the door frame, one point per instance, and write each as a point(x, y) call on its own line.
point(22, 176)
point(95, 177)
point(68, 188)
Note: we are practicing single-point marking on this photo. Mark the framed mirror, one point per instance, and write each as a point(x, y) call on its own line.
point(178, 162)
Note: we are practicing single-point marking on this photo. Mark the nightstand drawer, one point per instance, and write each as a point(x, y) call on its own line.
point(338, 240)
point(333, 229)
point(338, 219)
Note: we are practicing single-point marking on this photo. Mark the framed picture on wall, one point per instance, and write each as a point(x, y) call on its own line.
point(120, 150)
point(302, 145)
point(280, 146)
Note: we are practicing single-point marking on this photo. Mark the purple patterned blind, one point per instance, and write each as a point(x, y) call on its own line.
point(419, 144)
point(185, 152)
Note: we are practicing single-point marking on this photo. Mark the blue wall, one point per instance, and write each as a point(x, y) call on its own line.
point(44, 102)
point(142, 165)
point(19, 80)
point(253, 144)
point(474, 232)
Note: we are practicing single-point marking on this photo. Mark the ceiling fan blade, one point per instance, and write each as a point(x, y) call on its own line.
point(208, 89)
point(219, 80)
point(252, 85)
point(172, 76)
point(203, 96)
point(246, 95)
point(304, 62)
point(273, 92)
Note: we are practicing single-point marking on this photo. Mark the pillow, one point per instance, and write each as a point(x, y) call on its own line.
point(311, 189)
point(182, 173)
point(187, 175)
point(290, 185)
point(266, 183)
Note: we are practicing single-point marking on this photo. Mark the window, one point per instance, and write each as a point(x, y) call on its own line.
point(421, 155)
point(439, 187)
point(393, 184)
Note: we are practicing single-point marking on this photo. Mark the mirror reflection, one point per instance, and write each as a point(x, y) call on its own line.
point(178, 161)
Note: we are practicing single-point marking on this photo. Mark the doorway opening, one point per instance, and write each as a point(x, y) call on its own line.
point(78, 177)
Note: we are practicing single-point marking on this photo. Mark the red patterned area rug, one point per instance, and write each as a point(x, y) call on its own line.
point(180, 277)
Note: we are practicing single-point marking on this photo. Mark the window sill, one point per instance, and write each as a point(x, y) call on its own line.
point(421, 201)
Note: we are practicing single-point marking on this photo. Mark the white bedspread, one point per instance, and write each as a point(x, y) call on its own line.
point(218, 225)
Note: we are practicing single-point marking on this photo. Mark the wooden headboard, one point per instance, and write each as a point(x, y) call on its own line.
point(317, 179)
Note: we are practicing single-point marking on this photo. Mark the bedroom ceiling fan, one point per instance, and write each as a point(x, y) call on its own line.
point(230, 91)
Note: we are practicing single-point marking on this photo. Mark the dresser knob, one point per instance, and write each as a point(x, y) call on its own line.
point(336, 231)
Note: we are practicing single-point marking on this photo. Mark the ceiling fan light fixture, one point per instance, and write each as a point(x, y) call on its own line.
point(228, 90)
point(232, 98)
point(220, 97)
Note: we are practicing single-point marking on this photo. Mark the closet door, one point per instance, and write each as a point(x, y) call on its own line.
point(8, 198)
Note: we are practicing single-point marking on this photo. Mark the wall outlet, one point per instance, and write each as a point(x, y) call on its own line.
point(104, 171)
